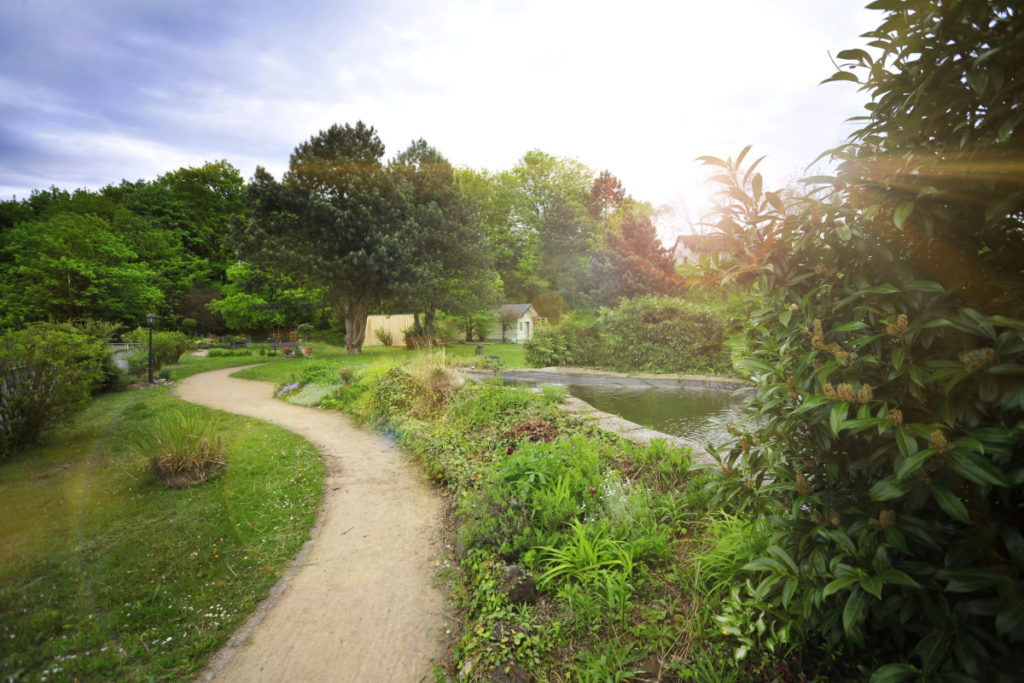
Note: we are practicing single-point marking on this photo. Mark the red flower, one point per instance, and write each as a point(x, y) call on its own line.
point(593, 490)
point(509, 451)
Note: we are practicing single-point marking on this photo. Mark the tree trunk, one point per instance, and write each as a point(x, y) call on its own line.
point(417, 329)
point(428, 322)
point(354, 314)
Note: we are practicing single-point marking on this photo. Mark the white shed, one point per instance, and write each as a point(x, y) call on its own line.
point(516, 323)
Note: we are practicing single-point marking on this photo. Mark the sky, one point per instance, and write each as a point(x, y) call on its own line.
point(96, 91)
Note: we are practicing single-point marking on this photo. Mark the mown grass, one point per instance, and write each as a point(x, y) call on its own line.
point(106, 574)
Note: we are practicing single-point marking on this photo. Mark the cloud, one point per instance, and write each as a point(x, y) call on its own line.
point(110, 89)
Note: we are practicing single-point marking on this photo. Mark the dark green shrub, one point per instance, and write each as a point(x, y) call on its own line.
point(167, 348)
point(663, 334)
point(548, 347)
point(214, 353)
point(46, 372)
point(886, 455)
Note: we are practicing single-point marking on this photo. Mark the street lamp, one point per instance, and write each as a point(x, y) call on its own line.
point(150, 319)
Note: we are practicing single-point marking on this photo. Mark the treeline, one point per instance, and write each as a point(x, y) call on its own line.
point(341, 235)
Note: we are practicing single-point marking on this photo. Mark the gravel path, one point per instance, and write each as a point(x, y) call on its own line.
point(359, 603)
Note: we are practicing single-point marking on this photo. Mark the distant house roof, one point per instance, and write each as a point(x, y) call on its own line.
point(690, 245)
point(518, 309)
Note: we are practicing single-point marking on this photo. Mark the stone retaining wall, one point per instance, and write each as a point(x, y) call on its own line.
point(614, 423)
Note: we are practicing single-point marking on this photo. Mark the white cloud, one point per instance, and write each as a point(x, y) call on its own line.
point(639, 88)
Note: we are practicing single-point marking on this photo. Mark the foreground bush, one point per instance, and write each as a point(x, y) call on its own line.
point(46, 373)
point(885, 457)
point(646, 334)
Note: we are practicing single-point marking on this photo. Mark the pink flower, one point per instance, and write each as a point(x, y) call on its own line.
point(593, 490)
point(509, 450)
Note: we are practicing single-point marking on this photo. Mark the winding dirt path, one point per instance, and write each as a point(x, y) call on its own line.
point(359, 603)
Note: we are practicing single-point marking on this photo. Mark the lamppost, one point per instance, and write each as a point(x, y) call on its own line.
point(150, 319)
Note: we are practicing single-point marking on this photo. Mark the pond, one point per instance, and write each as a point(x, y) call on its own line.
point(692, 415)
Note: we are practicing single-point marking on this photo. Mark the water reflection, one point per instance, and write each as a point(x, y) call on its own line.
point(691, 415)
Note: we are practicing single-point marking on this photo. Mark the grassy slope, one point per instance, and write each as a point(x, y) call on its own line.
point(106, 574)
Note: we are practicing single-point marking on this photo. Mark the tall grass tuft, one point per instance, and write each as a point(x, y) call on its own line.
point(183, 446)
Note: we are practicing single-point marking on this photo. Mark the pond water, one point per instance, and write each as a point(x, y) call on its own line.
point(692, 415)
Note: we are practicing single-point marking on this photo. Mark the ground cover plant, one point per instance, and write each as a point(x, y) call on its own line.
point(573, 550)
point(108, 574)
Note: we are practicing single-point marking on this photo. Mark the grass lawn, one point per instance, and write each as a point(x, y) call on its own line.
point(281, 370)
point(106, 574)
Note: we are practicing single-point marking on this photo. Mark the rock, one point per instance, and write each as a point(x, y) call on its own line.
point(518, 585)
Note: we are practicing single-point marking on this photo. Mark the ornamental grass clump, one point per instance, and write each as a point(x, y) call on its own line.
point(183, 446)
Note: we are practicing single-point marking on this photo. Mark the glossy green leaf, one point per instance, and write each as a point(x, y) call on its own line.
point(894, 673)
point(976, 468)
point(933, 649)
point(950, 504)
point(888, 489)
point(853, 611)
point(838, 416)
point(836, 585)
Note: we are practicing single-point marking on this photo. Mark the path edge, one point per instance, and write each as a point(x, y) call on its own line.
point(223, 656)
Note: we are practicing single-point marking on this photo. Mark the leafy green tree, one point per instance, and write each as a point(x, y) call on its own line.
point(537, 218)
point(885, 455)
point(256, 300)
point(70, 267)
point(446, 263)
point(329, 224)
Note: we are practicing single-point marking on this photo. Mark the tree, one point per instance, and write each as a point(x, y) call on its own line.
point(70, 267)
point(256, 300)
point(330, 224)
point(537, 219)
point(446, 263)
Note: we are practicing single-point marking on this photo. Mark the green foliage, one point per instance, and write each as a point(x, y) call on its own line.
point(317, 372)
point(884, 458)
point(46, 373)
point(445, 254)
point(663, 334)
point(71, 266)
point(167, 348)
point(221, 353)
point(183, 446)
point(595, 519)
point(647, 334)
point(328, 224)
point(547, 347)
point(257, 299)
point(310, 395)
